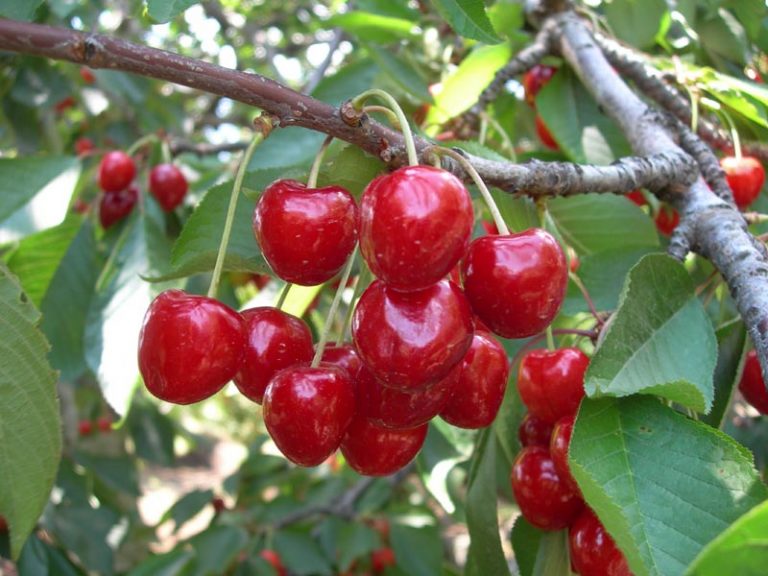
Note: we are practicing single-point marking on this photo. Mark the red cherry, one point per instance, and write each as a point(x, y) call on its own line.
point(515, 283)
point(752, 385)
point(3, 525)
point(545, 135)
point(83, 146)
point(545, 500)
point(168, 185)
point(275, 340)
point(490, 227)
point(80, 206)
point(189, 346)
point(274, 559)
point(381, 559)
point(551, 383)
point(637, 197)
point(558, 449)
point(745, 176)
point(306, 234)
point(412, 339)
point(344, 356)
point(307, 411)
point(535, 79)
point(116, 171)
point(104, 424)
point(667, 220)
point(415, 225)
point(64, 104)
point(85, 427)
point(391, 408)
point(483, 375)
point(261, 280)
point(375, 451)
point(593, 551)
point(534, 431)
point(87, 75)
point(115, 206)
point(218, 505)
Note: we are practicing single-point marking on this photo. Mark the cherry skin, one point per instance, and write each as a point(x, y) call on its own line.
point(415, 225)
point(636, 197)
point(667, 220)
point(534, 431)
point(168, 185)
point(83, 146)
point(307, 411)
point(274, 559)
point(558, 449)
point(87, 75)
point(752, 385)
point(344, 356)
point(745, 176)
point(483, 375)
point(593, 551)
point(516, 283)
point(545, 135)
point(104, 424)
point(189, 346)
point(371, 450)
point(545, 500)
point(306, 234)
point(551, 383)
point(381, 559)
point(116, 171)
point(275, 340)
point(410, 340)
point(535, 79)
point(64, 104)
point(115, 206)
point(3, 525)
point(85, 428)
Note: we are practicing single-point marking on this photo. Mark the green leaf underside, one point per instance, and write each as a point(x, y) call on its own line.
point(660, 341)
point(30, 436)
point(164, 10)
point(663, 485)
point(468, 18)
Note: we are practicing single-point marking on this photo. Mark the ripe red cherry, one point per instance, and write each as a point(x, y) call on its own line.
point(168, 185)
point(391, 408)
point(85, 427)
point(535, 79)
point(104, 424)
point(545, 500)
point(306, 234)
point(116, 171)
point(415, 225)
point(515, 283)
point(410, 340)
point(275, 340)
point(483, 375)
point(636, 197)
point(545, 135)
point(307, 411)
point(667, 220)
point(344, 356)
point(64, 104)
point(114, 206)
point(551, 383)
point(371, 450)
point(752, 385)
point(558, 449)
point(87, 75)
point(83, 146)
point(593, 551)
point(381, 559)
point(274, 559)
point(534, 431)
point(745, 176)
point(189, 346)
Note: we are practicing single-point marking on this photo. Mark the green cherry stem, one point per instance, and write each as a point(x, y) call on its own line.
point(410, 146)
point(165, 151)
point(362, 281)
point(246, 159)
point(734, 133)
point(143, 141)
point(317, 162)
point(391, 116)
point(334, 306)
point(283, 295)
point(484, 192)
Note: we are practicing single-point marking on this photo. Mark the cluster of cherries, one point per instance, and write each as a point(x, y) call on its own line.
point(117, 171)
point(87, 427)
point(551, 385)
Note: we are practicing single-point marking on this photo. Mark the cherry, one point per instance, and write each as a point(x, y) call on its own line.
point(667, 220)
point(104, 424)
point(534, 431)
point(375, 451)
point(189, 346)
point(545, 135)
point(516, 283)
point(306, 234)
point(64, 104)
point(168, 185)
point(545, 500)
point(275, 340)
point(392, 408)
point(307, 411)
point(85, 427)
point(344, 356)
point(381, 559)
point(745, 176)
point(535, 79)
point(3, 524)
point(551, 383)
point(218, 505)
point(115, 206)
point(490, 227)
point(483, 375)
point(637, 197)
point(415, 225)
point(752, 386)
point(593, 551)
point(274, 559)
point(116, 171)
point(412, 339)
point(558, 449)
point(87, 75)
point(80, 206)
point(83, 146)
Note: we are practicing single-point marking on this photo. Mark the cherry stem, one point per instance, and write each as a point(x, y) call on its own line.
point(143, 141)
point(258, 138)
point(332, 312)
point(734, 133)
point(755, 217)
point(165, 151)
point(550, 338)
point(591, 334)
point(484, 192)
point(587, 298)
point(283, 295)
point(506, 140)
point(694, 108)
point(483, 130)
point(315, 170)
point(391, 116)
point(410, 146)
point(362, 282)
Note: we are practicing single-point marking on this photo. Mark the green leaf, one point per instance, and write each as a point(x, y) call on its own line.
point(660, 341)
point(724, 37)
point(286, 148)
point(19, 9)
point(152, 433)
point(117, 472)
point(374, 27)
point(174, 563)
point(301, 554)
point(741, 549)
point(164, 10)
point(663, 485)
point(526, 540)
point(30, 428)
point(83, 531)
point(217, 548)
point(352, 169)
point(418, 550)
point(636, 21)
point(347, 82)
point(731, 349)
point(355, 541)
point(746, 98)
point(187, 507)
point(467, 18)
point(402, 73)
point(552, 555)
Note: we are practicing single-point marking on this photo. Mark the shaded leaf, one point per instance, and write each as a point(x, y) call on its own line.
point(467, 18)
point(418, 550)
point(165, 10)
point(526, 540)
